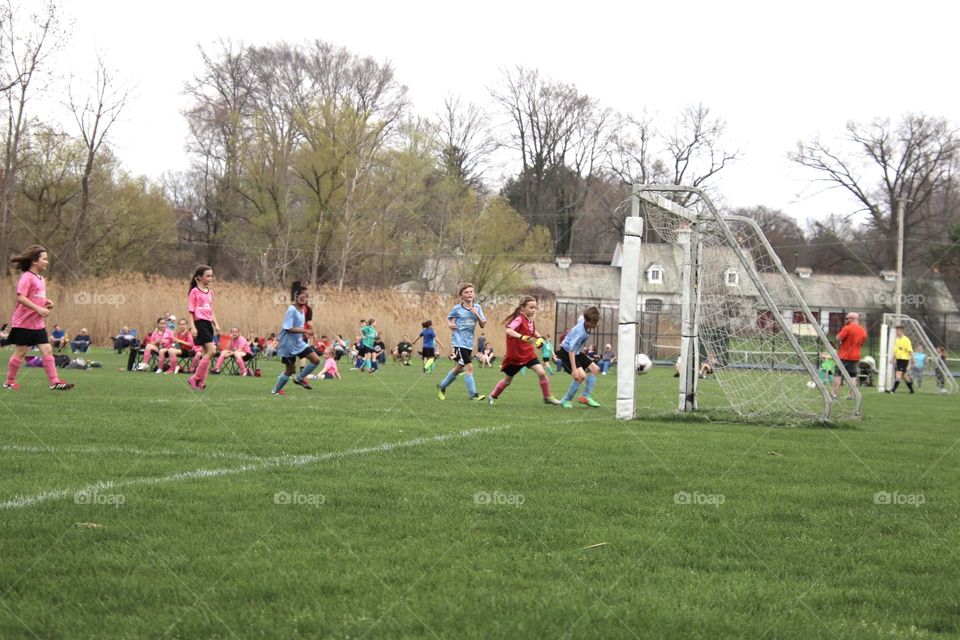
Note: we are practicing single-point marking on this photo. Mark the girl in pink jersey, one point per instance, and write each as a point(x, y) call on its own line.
point(238, 349)
point(330, 370)
point(28, 326)
point(203, 323)
point(182, 346)
point(156, 342)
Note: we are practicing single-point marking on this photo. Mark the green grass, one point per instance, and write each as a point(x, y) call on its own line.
point(784, 539)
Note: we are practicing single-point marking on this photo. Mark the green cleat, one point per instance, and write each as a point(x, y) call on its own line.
point(441, 393)
point(478, 397)
point(566, 404)
point(552, 401)
point(590, 402)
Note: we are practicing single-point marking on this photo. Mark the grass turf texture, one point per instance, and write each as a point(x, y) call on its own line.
point(704, 529)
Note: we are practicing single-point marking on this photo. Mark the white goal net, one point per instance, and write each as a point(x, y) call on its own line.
point(744, 326)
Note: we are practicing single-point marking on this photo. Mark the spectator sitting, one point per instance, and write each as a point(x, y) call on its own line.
point(271, 346)
point(81, 343)
point(339, 347)
point(125, 339)
point(4, 333)
point(323, 344)
point(608, 358)
point(58, 338)
point(329, 366)
point(591, 353)
point(486, 357)
point(239, 349)
point(161, 338)
point(403, 352)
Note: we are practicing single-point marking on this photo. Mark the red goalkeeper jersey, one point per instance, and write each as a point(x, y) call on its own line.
point(518, 351)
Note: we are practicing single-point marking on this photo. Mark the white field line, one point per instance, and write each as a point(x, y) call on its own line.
point(19, 502)
point(222, 455)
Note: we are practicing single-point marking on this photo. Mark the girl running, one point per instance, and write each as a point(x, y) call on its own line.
point(463, 320)
point(29, 329)
point(293, 341)
point(522, 336)
point(203, 323)
point(430, 344)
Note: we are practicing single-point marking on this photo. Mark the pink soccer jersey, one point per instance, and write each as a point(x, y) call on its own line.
point(166, 339)
point(240, 344)
point(200, 304)
point(34, 288)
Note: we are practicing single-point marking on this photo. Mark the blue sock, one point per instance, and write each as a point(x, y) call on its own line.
point(448, 380)
point(281, 380)
point(571, 392)
point(307, 370)
point(471, 385)
point(588, 388)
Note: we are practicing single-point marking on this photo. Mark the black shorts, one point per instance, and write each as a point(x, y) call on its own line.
point(303, 354)
point(463, 355)
point(852, 367)
point(204, 332)
point(513, 369)
point(429, 352)
point(27, 337)
point(583, 362)
point(364, 350)
point(902, 365)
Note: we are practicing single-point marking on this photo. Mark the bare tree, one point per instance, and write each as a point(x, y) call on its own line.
point(94, 116)
point(911, 162)
point(466, 140)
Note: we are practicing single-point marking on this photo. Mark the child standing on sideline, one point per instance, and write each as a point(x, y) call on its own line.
point(462, 320)
point(203, 323)
point(942, 357)
point(430, 343)
point(522, 336)
point(293, 343)
point(916, 369)
point(574, 362)
point(29, 329)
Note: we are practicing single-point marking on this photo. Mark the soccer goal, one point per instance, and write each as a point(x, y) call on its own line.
point(748, 342)
point(935, 377)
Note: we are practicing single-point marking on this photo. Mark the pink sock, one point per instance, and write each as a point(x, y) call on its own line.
point(220, 362)
point(201, 374)
point(497, 390)
point(12, 367)
point(545, 386)
point(160, 361)
point(241, 366)
point(50, 366)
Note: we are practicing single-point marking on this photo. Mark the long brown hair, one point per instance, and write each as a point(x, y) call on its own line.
point(28, 256)
point(523, 302)
point(196, 275)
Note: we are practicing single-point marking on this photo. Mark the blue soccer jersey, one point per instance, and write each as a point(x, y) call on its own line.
point(429, 338)
point(290, 344)
point(575, 338)
point(466, 323)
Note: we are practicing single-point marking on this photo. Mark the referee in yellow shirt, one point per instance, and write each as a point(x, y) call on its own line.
point(903, 352)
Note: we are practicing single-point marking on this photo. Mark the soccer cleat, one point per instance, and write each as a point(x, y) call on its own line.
point(552, 401)
point(61, 386)
point(176, 369)
point(566, 404)
point(278, 393)
point(590, 402)
point(301, 383)
point(159, 370)
point(491, 400)
point(441, 392)
point(143, 366)
point(194, 384)
point(478, 397)
point(13, 386)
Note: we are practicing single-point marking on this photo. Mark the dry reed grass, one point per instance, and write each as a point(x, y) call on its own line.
point(104, 305)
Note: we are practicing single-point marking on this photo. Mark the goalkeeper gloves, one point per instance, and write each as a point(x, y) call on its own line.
point(537, 342)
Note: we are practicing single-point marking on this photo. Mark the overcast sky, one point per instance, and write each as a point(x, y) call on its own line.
point(775, 73)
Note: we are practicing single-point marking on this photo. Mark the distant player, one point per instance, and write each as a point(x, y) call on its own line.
point(430, 343)
point(203, 323)
point(522, 336)
point(28, 328)
point(916, 369)
point(578, 364)
point(294, 345)
point(463, 320)
point(903, 353)
point(941, 379)
point(368, 343)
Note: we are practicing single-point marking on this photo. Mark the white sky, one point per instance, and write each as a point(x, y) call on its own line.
point(777, 73)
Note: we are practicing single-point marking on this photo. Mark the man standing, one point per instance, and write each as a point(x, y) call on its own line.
point(850, 339)
point(902, 352)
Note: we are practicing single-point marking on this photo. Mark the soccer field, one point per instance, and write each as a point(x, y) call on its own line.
point(133, 507)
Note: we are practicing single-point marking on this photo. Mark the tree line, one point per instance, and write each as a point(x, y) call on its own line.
point(309, 161)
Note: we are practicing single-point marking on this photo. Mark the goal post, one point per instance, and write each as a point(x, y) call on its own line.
point(743, 320)
point(933, 367)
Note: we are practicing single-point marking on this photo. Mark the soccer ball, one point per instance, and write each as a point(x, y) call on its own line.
point(811, 384)
point(644, 363)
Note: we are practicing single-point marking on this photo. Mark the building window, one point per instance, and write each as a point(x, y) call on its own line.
point(731, 278)
point(655, 274)
point(653, 304)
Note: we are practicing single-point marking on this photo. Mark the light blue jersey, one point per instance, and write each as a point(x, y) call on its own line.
point(466, 323)
point(290, 344)
point(920, 357)
point(575, 339)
